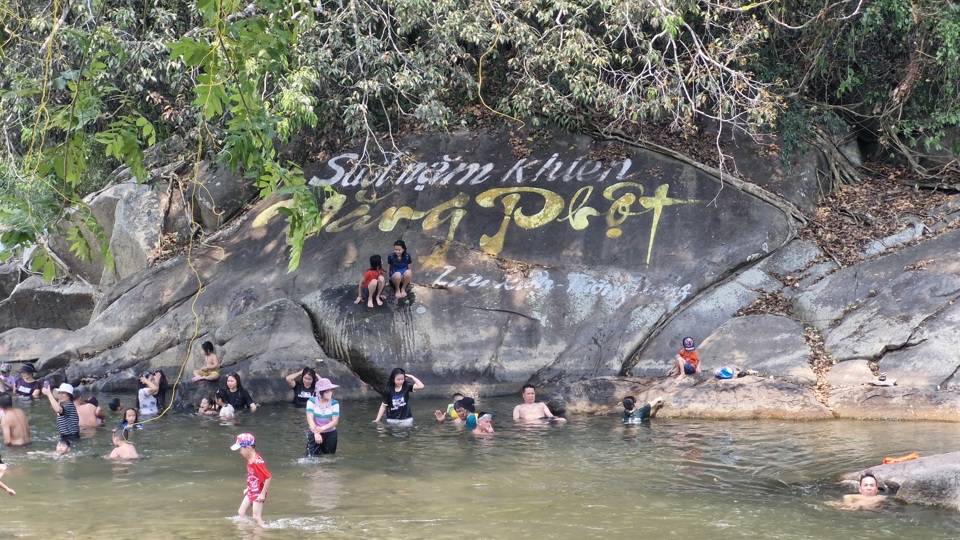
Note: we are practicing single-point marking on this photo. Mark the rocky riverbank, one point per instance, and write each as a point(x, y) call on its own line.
point(577, 264)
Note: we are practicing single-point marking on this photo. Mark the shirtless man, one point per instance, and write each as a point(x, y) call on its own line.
point(86, 411)
point(16, 429)
point(122, 447)
point(867, 498)
point(531, 409)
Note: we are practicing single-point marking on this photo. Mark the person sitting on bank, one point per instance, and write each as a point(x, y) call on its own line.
point(633, 415)
point(687, 361)
point(16, 429)
point(372, 283)
point(122, 447)
point(451, 410)
point(867, 498)
point(68, 422)
point(210, 370)
point(531, 409)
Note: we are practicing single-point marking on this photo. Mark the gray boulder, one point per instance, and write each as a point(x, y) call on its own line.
point(894, 303)
point(701, 316)
point(868, 402)
point(37, 304)
point(138, 226)
point(770, 344)
point(701, 396)
point(217, 195)
point(549, 268)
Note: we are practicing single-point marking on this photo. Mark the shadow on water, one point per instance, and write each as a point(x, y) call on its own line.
point(589, 478)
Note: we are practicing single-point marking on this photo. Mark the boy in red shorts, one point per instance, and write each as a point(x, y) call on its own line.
point(258, 477)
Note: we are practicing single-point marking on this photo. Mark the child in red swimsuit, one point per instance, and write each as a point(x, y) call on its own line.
point(372, 283)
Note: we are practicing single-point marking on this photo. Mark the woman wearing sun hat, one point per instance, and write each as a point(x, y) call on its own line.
point(323, 415)
point(68, 421)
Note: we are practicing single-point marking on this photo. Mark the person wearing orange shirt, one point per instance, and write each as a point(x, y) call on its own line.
point(687, 361)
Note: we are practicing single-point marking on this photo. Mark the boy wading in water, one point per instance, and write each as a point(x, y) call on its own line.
point(258, 477)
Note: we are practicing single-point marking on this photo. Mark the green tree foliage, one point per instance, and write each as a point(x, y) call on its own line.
point(887, 68)
point(87, 86)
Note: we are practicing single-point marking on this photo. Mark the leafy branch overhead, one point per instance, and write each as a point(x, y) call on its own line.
point(241, 81)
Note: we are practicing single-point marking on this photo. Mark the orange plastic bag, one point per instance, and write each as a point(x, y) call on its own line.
point(908, 457)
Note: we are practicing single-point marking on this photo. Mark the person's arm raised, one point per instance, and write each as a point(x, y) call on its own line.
point(417, 385)
point(53, 401)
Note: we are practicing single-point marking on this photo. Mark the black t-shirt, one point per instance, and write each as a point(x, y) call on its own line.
point(239, 399)
point(25, 389)
point(398, 403)
point(301, 395)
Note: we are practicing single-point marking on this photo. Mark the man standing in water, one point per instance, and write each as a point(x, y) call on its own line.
point(867, 498)
point(531, 409)
point(16, 429)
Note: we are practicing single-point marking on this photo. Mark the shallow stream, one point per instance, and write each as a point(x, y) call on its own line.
point(590, 478)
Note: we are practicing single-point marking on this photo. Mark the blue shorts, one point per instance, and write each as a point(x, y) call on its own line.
point(688, 368)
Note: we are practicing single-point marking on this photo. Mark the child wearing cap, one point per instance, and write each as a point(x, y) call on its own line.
point(687, 361)
point(258, 477)
point(7, 381)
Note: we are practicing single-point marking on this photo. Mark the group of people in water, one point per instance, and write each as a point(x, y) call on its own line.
point(311, 392)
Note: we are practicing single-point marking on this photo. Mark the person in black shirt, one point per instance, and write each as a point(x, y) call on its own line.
point(303, 384)
point(236, 395)
point(396, 397)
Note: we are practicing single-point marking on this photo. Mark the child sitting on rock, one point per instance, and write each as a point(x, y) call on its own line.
point(687, 361)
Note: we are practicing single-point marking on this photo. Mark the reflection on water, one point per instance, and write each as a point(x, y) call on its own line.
point(590, 478)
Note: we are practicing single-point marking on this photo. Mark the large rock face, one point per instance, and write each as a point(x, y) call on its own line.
point(551, 264)
point(548, 267)
point(898, 309)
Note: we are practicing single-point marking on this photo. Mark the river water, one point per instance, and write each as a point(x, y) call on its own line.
point(590, 478)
